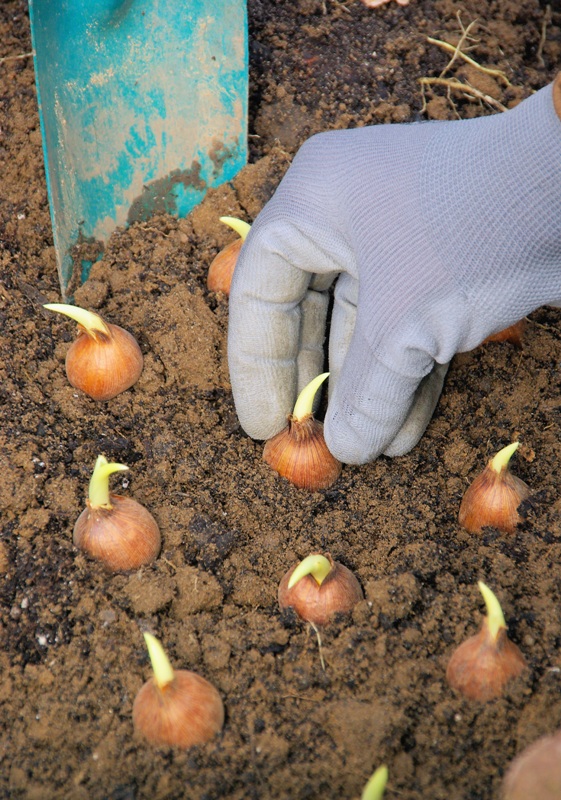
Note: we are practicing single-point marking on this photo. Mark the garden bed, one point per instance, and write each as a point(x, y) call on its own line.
point(72, 653)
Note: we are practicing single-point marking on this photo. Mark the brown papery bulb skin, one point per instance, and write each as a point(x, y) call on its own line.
point(299, 453)
point(222, 267)
point(492, 501)
point(513, 334)
point(186, 712)
point(338, 594)
point(123, 538)
point(102, 367)
point(535, 772)
point(481, 666)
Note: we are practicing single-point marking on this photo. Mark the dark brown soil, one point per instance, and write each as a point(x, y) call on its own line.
point(72, 653)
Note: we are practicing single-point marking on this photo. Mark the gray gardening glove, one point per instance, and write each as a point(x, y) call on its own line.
point(439, 234)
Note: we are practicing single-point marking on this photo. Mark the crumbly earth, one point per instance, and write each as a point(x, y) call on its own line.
point(72, 654)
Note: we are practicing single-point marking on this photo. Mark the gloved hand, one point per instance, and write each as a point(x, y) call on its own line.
point(439, 234)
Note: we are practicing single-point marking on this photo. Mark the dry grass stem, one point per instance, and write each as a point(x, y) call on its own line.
point(457, 49)
point(495, 73)
point(320, 646)
point(458, 52)
point(545, 22)
point(17, 58)
point(465, 88)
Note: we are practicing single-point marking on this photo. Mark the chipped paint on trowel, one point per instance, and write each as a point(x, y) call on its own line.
point(143, 107)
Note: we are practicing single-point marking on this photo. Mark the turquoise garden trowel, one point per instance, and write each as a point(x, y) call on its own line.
point(143, 107)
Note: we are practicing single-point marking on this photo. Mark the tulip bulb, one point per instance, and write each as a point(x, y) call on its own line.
point(115, 530)
point(299, 452)
point(535, 772)
point(494, 496)
point(105, 359)
point(482, 666)
point(318, 588)
point(222, 267)
point(175, 707)
point(513, 334)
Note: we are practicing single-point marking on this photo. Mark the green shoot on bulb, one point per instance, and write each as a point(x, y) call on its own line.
point(98, 493)
point(238, 225)
point(500, 461)
point(374, 789)
point(495, 616)
point(91, 322)
point(316, 565)
point(163, 671)
point(305, 401)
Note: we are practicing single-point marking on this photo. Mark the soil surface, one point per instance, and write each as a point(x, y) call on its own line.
point(72, 653)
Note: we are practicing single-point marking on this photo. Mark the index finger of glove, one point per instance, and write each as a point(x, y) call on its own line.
point(269, 298)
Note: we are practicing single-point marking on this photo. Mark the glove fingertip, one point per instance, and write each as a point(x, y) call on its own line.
point(262, 430)
point(345, 443)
